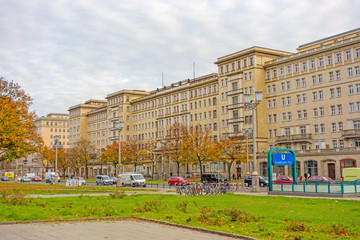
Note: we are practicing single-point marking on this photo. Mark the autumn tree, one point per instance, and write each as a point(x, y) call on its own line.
point(110, 154)
point(84, 151)
point(18, 134)
point(63, 160)
point(229, 150)
point(47, 155)
point(133, 153)
point(197, 145)
point(150, 153)
point(174, 140)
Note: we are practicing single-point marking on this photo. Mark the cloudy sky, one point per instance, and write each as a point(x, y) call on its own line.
point(64, 52)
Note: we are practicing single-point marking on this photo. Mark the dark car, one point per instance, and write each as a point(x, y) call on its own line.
point(262, 181)
point(283, 179)
point(4, 178)
point(176, 180)
point(211, 178)
point(115, 180)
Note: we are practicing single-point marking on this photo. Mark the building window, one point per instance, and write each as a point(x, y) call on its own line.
point(321, 62)
point(338, 77)
point(338, 57)
point(311, 167)
point(329, 58)
point(348, 55)
point(331, 76)
point(350, 72)
point(320, 78)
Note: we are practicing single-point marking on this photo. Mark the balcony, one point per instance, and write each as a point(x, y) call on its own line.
point(235, 91)
point(235, 106)
point(236, 120)
point(351, 133)
point(294, 138)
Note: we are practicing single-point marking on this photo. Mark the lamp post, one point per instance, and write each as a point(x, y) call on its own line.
point(247, 132)
point(56, 138)
point(252, 104)
point(119, 126)
point(163, 160)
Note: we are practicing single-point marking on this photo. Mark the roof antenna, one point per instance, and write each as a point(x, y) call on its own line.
point(162, 79)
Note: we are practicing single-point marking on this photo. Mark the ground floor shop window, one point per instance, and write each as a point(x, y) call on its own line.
point(279, 170)
point(263, 169)
point(311, 167)
point(347, 163)
point(298, 169)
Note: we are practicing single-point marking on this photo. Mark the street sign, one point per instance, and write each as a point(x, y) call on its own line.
point(283, 159)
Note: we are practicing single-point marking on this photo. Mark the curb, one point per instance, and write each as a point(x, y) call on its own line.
point(134, 218)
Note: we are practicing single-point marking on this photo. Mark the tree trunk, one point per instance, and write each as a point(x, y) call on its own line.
point(178, 168)
point(200, 164)
point(86, 170)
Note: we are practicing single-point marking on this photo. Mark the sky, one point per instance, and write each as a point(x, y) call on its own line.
point(64, 52)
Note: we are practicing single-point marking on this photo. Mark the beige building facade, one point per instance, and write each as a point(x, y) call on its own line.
point(311, 103)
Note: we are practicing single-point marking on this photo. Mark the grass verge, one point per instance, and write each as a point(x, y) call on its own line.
point(259, 217)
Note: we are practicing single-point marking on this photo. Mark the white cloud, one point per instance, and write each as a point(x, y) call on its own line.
point(65, 52)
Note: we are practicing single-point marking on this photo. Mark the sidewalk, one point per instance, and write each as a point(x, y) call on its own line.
point(110, 230)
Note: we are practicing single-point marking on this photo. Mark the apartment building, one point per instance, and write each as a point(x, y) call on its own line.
point(311, 103)
point(49, 126)
point(78, 120)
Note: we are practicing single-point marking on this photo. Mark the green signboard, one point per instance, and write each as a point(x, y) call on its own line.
point(279, 156)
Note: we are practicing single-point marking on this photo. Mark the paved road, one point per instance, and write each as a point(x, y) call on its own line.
point(102, 230)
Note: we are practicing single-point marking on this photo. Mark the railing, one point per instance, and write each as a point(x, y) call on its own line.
point(351, 133)
point(235, 91)
point(319, 187)
point(294, 138)
point(236, 120)
point(235, 105)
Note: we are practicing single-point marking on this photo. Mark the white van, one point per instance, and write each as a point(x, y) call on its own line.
point(133, 179)
point(30, 175)
point(351, 174)
point(51, 175)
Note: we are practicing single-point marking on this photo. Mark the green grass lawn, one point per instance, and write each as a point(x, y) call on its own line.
point(259, 217)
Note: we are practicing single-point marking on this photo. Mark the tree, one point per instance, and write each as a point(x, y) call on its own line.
point(132, 153)
point(197, 146)
point(110, 154)
point(150, 153)
point(174, 141)
point(85, 152)
point(229, 150)
point(18, 134)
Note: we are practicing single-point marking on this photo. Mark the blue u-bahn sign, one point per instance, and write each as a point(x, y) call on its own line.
point(279, 156)
point(283, 159)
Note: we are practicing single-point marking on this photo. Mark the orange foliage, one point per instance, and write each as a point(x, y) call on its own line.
point(17, 130)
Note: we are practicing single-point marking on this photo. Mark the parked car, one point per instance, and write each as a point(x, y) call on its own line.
point(25, 179)
point(283, 179)
point(103, 180)
point(36, 179)
point(211, 178)
point(262, 181)
point(82, 181)
point(115, 180)
point(319, 179)
point(176, 180)
point(4, 178)
point(133, 179)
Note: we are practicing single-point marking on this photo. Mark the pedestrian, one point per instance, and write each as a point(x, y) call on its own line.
point(306, 176)
point(234, 176)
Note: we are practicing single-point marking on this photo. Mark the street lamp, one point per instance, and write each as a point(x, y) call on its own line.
point(247, 132)
point(56, 138)
point(119, 126)
point(252, 104)
point(163, 160)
